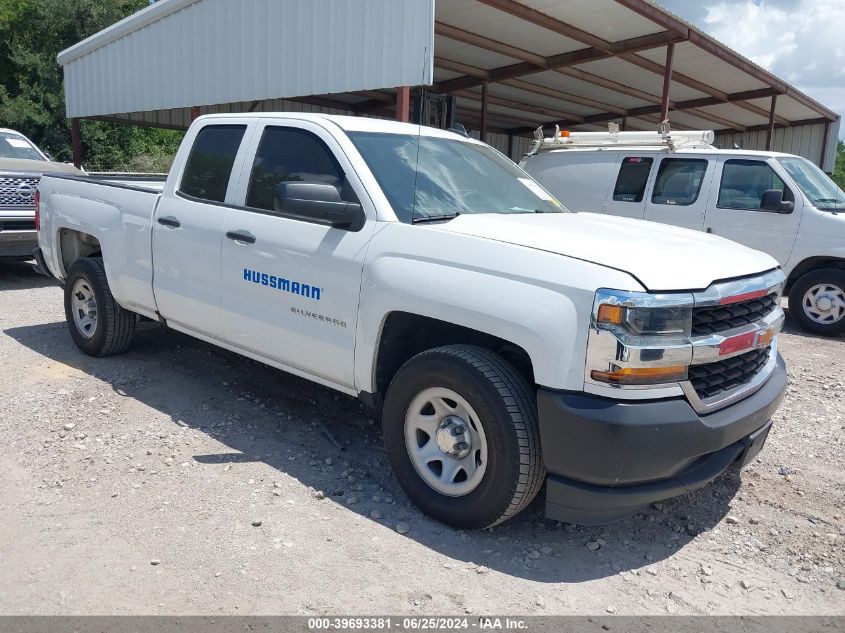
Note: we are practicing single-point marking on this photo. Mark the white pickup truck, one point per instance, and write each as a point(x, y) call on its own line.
point(507, 341)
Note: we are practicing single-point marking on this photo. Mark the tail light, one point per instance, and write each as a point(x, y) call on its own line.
point(37, 210)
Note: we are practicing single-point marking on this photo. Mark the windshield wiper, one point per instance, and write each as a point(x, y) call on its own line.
point(443, 217)
point(829, 200)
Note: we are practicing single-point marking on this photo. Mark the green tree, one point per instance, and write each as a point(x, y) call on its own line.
point(839, 170)
point(32, 32)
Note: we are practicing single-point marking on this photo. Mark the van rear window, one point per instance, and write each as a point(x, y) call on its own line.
point(633, 175)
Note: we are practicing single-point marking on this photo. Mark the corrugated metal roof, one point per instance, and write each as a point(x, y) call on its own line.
point(182, 53)
point(579, 63)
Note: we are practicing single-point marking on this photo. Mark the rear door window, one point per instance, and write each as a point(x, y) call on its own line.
point(632, 179)
point(679, 181)
point(209, 165)
point(745, 181)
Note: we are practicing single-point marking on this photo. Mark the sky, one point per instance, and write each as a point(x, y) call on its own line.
point(800, 41)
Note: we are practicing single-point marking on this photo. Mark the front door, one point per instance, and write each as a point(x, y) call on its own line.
point(188, 231)
point(290, 286)
point(736, 213)
point(679, 193)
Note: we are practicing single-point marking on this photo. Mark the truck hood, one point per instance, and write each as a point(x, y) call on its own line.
point(37, 166)
point(660, 256)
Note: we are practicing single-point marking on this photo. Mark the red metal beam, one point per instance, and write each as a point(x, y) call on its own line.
point(763, 128)
point(612, 113)
point(770, 133)
point(548, 22)
point(527, 86)
point(195, 113)
point(530, 64)
point(484, 98)
point(76, 142)
point(403, 104)
point(520, 106)
point(667, 82)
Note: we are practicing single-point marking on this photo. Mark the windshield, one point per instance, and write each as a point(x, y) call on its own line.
point(816, 185)
point(16, 146)
point(454, 177)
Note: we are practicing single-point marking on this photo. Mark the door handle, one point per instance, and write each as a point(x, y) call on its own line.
point(170, 221)
point(241, 236)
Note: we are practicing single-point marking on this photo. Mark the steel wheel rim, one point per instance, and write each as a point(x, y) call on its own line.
point(824, 304)
point(83, 305)
point(432, 422)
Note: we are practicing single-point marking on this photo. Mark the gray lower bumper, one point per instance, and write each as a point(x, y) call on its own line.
point(17, 243)
point(608, 459)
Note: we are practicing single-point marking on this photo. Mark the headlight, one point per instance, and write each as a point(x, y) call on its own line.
point(644, 316)
point(639, 340)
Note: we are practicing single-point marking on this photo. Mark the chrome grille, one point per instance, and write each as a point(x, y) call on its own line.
point(711, 379)
point(713, 319)
point(9, 196)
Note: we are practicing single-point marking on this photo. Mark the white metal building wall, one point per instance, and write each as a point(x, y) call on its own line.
point(814, 142)
point(183, 53)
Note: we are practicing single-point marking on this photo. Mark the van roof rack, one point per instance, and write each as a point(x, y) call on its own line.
point(664, 139)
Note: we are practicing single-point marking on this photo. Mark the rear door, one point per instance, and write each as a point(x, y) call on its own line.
point(735, 209)
point(291, 288)
point(678, 195)
point(626, 196)
point(188, 229)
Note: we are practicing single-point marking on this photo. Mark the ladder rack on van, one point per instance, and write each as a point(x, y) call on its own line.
point(563, 140)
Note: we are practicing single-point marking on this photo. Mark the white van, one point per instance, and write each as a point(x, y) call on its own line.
point(777, 203)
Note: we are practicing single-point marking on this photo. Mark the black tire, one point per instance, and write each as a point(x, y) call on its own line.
point(507, 407)
point(115, 326)
point(831, 276)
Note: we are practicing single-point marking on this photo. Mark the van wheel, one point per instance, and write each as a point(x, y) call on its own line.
point(460, 428)
point(817, 302)
point(97, 324)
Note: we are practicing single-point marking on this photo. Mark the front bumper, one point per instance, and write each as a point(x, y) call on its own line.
point(17, 243)
point(608, 459)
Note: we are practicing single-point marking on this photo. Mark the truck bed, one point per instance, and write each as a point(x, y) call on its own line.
point(149, 183)
point(119, 214)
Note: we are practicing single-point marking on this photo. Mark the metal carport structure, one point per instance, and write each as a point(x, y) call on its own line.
point(512, 66)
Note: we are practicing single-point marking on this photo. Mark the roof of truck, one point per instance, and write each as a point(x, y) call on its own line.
point(347, 123)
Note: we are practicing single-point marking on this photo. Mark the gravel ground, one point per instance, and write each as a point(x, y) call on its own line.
point(179, 478)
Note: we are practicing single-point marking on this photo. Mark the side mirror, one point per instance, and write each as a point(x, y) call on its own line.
point(318, 202)
point(773, 201)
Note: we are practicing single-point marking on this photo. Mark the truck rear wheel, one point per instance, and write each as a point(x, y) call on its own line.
point(97, 324)
point(460, 428)
point(817, 302)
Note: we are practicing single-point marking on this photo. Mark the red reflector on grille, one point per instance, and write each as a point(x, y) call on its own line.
point(748, 296)
point(737, 343)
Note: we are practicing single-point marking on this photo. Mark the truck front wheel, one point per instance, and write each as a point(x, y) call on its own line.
point(817, 301)
point(460, 428)
point(97, 324)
